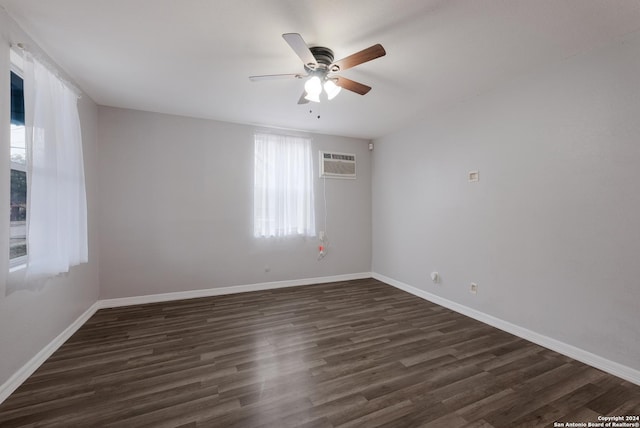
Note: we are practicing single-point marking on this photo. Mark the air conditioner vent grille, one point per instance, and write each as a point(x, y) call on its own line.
point(337, 165)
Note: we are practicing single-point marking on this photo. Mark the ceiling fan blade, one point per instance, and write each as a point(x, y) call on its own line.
point(276, 76)
point(302, 99)
point(301, 49)
point(352, 86)
point(372, 52)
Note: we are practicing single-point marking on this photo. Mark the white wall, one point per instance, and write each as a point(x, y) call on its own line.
point(176, 206)
point(551, 232)
point(31, 319)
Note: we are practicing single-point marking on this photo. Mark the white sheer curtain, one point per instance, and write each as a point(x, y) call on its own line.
point(283, 186)
point(57, 207)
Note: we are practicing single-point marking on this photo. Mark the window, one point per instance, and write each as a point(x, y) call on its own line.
point(48, 202)
point(18, 210)
point(283, 186)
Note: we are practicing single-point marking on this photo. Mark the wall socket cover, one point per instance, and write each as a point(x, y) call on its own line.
point(474, 176)
point(473, 289)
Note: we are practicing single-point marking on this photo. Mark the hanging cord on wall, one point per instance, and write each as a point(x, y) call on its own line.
point(324, 241)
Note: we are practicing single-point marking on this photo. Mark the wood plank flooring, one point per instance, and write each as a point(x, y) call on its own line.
point(347, 354)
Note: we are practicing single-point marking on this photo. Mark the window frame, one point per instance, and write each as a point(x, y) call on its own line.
point(20, 262)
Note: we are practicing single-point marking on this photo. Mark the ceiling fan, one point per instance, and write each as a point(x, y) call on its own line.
point(321, 69)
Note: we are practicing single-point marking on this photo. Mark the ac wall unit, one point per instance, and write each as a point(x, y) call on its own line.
point(337, 165)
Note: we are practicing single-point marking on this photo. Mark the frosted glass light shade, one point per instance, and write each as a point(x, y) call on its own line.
point(312, 97)
point(331, 89)
point(313, 86)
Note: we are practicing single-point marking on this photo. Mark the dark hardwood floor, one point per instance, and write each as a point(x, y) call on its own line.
point(357, 353)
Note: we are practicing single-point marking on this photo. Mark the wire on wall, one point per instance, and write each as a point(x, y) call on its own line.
point(324, 240)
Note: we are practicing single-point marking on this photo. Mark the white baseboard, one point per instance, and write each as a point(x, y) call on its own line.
point(616, 369)
point(209, 292)
point(8, 387)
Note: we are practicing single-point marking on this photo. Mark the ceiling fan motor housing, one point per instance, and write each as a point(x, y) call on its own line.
point(323, 56)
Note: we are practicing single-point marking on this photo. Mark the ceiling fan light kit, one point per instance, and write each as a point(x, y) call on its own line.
point(320, 69)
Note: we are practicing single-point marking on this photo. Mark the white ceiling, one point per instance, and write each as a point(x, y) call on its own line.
point(193, 57)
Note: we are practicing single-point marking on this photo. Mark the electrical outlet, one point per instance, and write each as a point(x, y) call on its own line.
point(473, 289)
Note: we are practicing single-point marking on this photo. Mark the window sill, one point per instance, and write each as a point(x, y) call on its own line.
point(17, 268)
